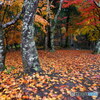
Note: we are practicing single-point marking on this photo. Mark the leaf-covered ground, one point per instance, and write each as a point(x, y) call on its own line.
point(66, 71)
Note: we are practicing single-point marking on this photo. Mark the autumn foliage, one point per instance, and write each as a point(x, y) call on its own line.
point(64, 71)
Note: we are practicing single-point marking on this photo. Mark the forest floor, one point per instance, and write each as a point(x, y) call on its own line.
point(69, 75)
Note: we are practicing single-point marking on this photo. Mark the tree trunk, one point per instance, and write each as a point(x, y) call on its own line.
point(61, 39)
point(46, 42)
point(2, 27)
point(29, 51)
point(2, 51)
point(52, 41)
point(67, 27)
point(49, 37)
point(97, 48)
point(53, 26)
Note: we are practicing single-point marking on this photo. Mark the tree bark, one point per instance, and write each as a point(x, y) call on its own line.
point(29, 51)
point(46, 42)
point(52, 41)
point(97, 48)
point(47, 38)
point(2, 50)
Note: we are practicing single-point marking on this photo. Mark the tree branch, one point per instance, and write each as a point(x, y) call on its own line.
point(57, 14)
point(97, 4)
point(13, 21)
point(1, 4)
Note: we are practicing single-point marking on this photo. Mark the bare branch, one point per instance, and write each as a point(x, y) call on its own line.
point(57, 14)
point(97, 4)
point(14, 20)
point(1, 3)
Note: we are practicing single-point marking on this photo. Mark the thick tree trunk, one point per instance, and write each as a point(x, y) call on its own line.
point(97, 48)
point(29, 51)
point(2, 50)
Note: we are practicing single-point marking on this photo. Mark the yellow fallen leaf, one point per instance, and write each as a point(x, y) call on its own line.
point(82, 89)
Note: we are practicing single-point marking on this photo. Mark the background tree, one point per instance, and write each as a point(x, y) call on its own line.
point(91, 22)
point(68, 18)
point(90, 16)
point(53, 22)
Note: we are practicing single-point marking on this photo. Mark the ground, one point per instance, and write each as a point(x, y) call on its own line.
point(66, 72)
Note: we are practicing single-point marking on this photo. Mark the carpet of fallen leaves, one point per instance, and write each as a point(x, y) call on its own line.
point(66, 71)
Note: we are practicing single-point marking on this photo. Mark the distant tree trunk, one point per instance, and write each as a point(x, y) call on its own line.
point(29, 51)
point(67, 44)
point(70, 41)
point(2, 50)
point(97, 48)
point(46, 42)
point(53, 26)
point(61, 38)
point(52, 40)
point(47, 39)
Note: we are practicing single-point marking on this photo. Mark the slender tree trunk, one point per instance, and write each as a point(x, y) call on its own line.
point(97, 48)
point(52, 40)
point(61, 38)
point(67, 42)
point(53, 26)
point(46, 42)
point(2, 50)
point(49, 37)
point(29, 51)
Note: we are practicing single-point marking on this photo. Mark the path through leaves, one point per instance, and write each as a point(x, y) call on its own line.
point(66, 71)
